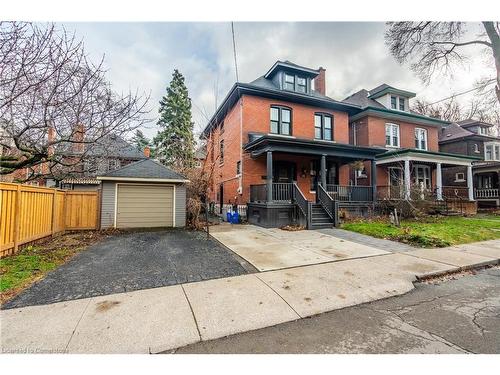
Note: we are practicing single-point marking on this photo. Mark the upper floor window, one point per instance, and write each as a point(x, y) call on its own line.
point(323, 128)
point(476, 148)
point(394, 102)
point(401, 104)
point(289, 82)
point(281, 120)
point(301, 84)
point(483, 130)
point(421, 139)
point(492, 151)
point(392, 135)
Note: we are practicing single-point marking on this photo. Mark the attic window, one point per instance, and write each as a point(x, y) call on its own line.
point(301, 84)
point(483, 130)
point(289, 82)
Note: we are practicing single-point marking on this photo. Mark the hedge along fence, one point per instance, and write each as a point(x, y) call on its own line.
point(29, 213)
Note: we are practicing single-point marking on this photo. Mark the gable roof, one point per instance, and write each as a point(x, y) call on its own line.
point(454, 131)
point(146, 169)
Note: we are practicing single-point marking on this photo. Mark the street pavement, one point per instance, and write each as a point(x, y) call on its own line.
point(460, 314)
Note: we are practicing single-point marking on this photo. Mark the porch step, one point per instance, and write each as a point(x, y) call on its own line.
point(319, 218)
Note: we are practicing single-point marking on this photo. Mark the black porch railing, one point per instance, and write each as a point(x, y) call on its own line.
point(282, 192)
point(350, 193)
point(258, 193)
point(328, 204)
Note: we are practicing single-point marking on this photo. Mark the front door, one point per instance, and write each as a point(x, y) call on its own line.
point(284, 172)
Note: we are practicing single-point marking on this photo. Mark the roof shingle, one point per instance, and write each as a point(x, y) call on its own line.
point(146, 168)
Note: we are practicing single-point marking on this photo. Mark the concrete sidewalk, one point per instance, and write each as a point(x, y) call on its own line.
point(155, 320)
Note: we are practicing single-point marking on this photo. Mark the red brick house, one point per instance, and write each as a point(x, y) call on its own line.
point(293, 154)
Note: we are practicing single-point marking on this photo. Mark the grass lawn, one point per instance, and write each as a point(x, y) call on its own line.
point(33, 262)
point(432, 231)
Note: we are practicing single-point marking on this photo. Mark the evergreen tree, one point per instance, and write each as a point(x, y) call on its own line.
point(174, 143)
point(140, 141)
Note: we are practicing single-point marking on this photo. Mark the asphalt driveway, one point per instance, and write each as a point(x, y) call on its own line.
point(134, 261)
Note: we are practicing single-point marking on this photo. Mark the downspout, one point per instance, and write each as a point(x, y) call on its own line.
point(240, 179)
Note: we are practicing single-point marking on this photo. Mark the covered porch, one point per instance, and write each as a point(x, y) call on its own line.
point(412, 174)
point(487, 183)
point(305, 179)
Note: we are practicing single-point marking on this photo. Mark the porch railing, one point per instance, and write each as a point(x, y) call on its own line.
point(486, 193)
point(350, 193)
point(300, 200)
point(258, 193)
point(282, 192)
point(326, 201)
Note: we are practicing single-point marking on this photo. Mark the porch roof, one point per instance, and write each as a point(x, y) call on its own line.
point(424, 156)
point(294, 145)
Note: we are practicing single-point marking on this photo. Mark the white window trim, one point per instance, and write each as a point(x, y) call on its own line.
point(460, 179)
point(424, 131)
point(494, 156)
point(399, 135)
point(398, 98)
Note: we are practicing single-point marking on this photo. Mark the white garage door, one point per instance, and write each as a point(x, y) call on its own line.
point(144, 206)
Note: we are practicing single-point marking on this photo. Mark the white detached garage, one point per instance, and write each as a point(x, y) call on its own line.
point(144, 194)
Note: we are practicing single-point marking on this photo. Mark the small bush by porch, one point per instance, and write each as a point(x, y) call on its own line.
point(432, 231)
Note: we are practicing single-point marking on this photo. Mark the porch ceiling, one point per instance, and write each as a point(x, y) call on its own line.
point(301, 146)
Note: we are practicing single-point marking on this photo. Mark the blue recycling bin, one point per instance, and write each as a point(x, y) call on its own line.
point(229, 217)
point(235, 218)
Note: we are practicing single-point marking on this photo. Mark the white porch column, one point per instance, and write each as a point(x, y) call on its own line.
point(439, 183)
point(407, 179)
point(469, 182)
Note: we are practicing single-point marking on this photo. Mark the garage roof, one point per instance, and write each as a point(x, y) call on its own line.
point(144, 170)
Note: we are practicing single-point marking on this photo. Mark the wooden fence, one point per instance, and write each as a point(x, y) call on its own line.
point(29, 213)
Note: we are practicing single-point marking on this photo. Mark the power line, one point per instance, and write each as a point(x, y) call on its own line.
point(234, 52)
point(489, 82)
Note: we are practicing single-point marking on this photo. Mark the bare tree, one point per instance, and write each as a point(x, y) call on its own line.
point(433, 47)
point(55, 104)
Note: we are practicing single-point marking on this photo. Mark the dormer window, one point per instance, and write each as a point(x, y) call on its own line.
point(401, 104)
point(301, 84)
point(289, 82)
point(295, 83)
point(394, 102)
point(483, 130)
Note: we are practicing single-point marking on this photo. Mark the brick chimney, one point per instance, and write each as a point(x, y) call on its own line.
point(147, 151)
point(320, 81)
point(78, 137)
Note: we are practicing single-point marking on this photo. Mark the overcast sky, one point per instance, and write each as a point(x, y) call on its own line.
point(143, 55)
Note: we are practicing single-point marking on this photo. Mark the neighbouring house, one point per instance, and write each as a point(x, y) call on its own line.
point(474, 138)
point(291, 153)
point(143, 194)
point(111, 153)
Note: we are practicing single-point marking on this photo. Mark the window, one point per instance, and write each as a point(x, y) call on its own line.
point(392, 135)
point(485, 182)
point(289, 82)
point(323, 127)
point(221, 151)
point(301, 84)
point(492, 151)
point(238, 167)
point(394, 102)
point(281, 120)
point(421, 139)
point(476, 148)
point(483, 130)
point(401, 104)
point(459, 177)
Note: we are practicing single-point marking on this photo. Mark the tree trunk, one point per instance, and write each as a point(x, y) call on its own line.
point(495, 46)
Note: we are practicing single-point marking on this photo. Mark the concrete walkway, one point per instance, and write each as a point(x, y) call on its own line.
point(155, 320)
point(274, 249)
